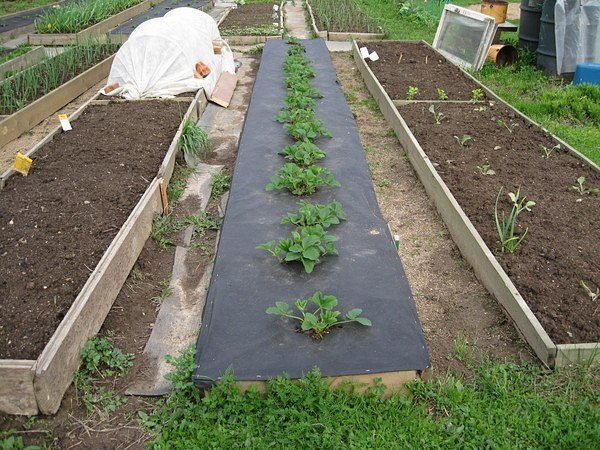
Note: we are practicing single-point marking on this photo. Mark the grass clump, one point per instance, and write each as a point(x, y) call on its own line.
point(499, 406)
point(194, 140)
point(76, 16)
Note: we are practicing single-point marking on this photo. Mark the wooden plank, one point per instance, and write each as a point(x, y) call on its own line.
point(349, 36)
point(16, 387)
point(31, 152)
point(408, 102)
point(60, 358)
point(466, 237)
point(25, 119)
point(313, 24)
point(33, 56)
point(393, 381)
point(567, 354)
point(224, 89)
point(95, 30)
point(249, 40)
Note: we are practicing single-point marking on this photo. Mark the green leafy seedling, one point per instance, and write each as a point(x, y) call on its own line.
point(480, 109)
point(412, 92)
point(317, 315)
point(547, 151)
point(463, 140)
point(506, 226)
point(307, 245)
point(581, 189)
point(303, 153)
point(589, 292)
point(437, 116)
point(307, 130)
point(486, 169)
point(301, 181)
point(442, 94)
point(310, 214)
point(510, 127)
point(477, 95)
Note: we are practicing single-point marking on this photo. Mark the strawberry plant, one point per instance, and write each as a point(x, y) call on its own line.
point(307, 245)
point(303, 153)
point(301, 181)
point(307, 130)
point(317, 315)
point(311, 214)
point(296, 115)
point(295, 100)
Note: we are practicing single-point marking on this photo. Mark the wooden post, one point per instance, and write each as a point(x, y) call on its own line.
point(163, 196)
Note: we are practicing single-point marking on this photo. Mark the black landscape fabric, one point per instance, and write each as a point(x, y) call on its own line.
point(236, 332)
point(157, 11)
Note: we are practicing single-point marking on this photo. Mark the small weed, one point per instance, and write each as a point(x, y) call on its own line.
point(322, 318)
point(350, 97)
point(442, 94)
point(589, 292)
point(194, 140)
point(136, 273)
point(510, 127)
point(390, 133)
point(371, 104)
point(201, 222)
point(373, 165)
point(162, 229)
point(178, 183)
point(384, 182)
point(437, 116)
point(221, 184)
point(412, 92)
point(505, 226)
point(307, 245)
point(165, 291)
point(463, 140)
point(581, 189)
point(477, 95)
point(461, 346)
point(486, 169)
point(480, 109)
point(547, 151)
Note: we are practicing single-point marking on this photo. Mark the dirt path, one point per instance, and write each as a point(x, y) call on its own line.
point(295, 20)
point(455, 309)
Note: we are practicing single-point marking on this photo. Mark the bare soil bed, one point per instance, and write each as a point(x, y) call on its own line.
point(405, 64)
point(561, 247)
point(56, 223)
point(245, 17)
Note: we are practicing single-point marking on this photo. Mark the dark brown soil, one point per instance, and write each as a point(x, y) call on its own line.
point(420, 67)
point(248, 16)
point(562, 245)
point(57, 222)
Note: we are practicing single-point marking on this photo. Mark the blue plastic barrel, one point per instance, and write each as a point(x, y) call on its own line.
point(587, 73)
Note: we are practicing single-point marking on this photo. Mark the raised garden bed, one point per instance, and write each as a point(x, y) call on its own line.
point(25, 97)
point(237, 332)
point(21, 22)
point(93, 31)
point(13, 61)
point(71, 232)
point(121, 33)
point(340, 20)
point(253, 23)
point(539, 285)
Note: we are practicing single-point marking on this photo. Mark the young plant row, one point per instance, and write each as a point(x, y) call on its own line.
point(310, 241)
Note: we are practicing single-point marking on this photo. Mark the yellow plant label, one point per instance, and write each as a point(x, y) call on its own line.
point(64, 122)
point(22, 164)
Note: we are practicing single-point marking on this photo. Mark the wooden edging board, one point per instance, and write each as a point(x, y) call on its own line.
point(466, 237)
point(250, 39)
point(23, 120)
point(340, 35)
point(30, 387)
point(96, 30)
point(11, 34)
point(20, 62)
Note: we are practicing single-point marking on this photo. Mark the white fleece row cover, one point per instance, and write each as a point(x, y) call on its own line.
point(159, 58)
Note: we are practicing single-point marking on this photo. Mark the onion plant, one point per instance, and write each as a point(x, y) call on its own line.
point(36, 81)
point(79, 15)
point(342, 15)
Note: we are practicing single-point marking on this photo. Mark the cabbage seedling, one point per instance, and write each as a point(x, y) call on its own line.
point(581, 189)
point(437, 116)
point(486, 169)
point(505, 226)
point(308, 245)
point(412, 92)
point(311, 214)
point(317, 315)
point(546, 151)
point(463, 140)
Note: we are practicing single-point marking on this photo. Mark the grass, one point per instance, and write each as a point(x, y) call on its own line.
point(77, 16)
point(12, 6)
point(342, 15)
point(570, 112)
point(498, 406)
point(194, 140)
point(36, 81)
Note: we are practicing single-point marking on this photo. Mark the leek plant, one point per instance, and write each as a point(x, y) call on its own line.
point(342, 15)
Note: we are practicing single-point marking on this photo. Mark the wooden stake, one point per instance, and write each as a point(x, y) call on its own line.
point(163, 196)
point(426, 57)
point(400, 59)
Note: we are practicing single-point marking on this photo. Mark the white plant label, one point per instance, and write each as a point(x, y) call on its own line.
point(364, 52)
point(64, 122)
point(275, 7)
point(374, 56)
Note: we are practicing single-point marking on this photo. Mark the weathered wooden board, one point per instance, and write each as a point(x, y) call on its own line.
point(23, 120)
point(20, 62)
point(16, 387)
point(223, 91)
point(472, 246)
point(567, 354)
point(95, 31)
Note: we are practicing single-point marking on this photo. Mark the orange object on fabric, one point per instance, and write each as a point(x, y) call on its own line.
point(110, 88)
point(201, 70)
